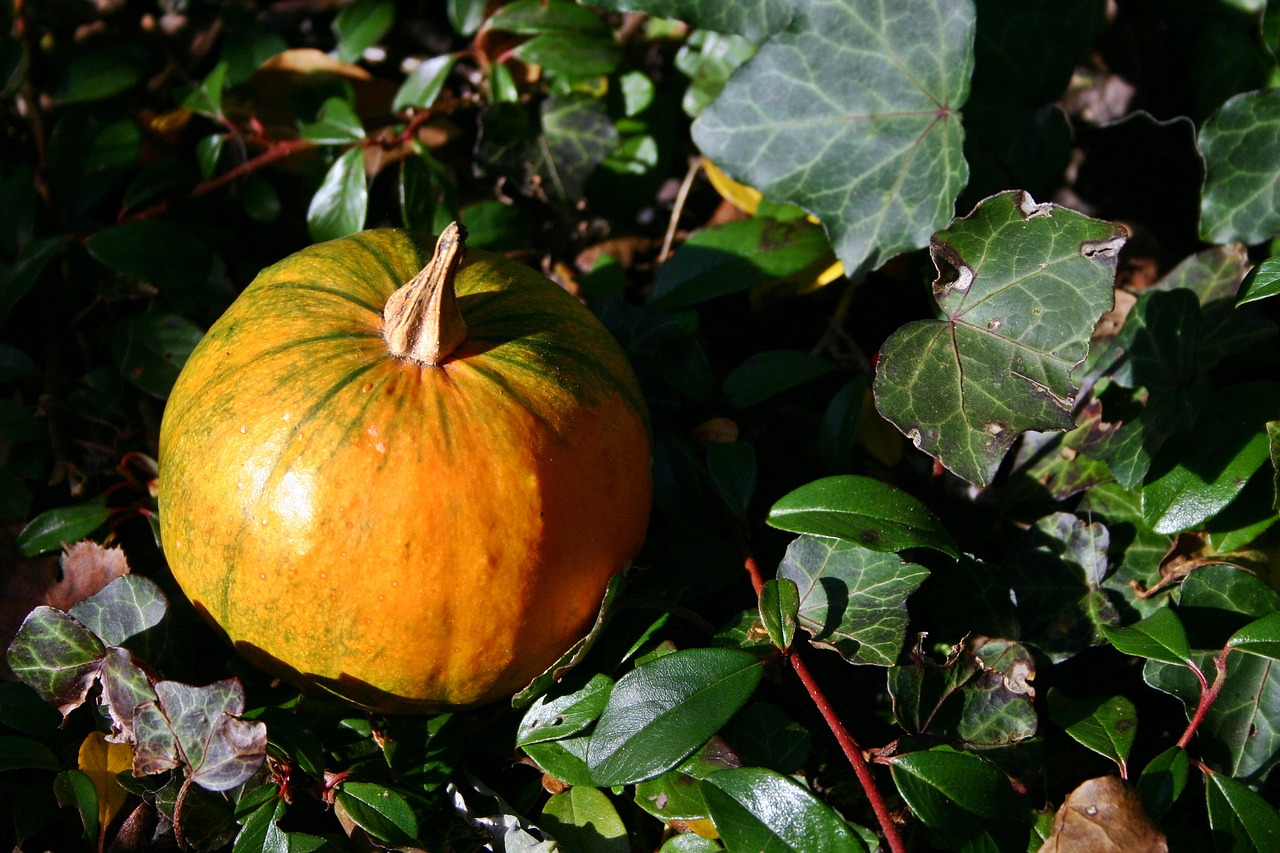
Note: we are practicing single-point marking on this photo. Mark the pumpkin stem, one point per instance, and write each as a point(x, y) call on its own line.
point(421, 321)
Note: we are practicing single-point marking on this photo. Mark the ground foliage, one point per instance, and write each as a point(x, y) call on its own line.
point(955, 321)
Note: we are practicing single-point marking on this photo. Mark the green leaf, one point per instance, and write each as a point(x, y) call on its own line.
point(709, 58)
point(127, 606)
point(1159, 637)
point(571, 54)
point(1136, 551)
point(100, 73)
point(221, 750)
point(771, 372)
point(756, 809)
point(736, 256)
point(1263, 281)
point(763, 735)
point(676, 794)
point(754, 20)
point(533, 17)
point(336, 124)
point(56, 656)
point(153, 250)
point(208, 151)
point(1106, 725)
point(579, 136)
point(1242, 821)
point(869, 512)
point(158, 178)
point(582, 820)
point(732, 468)
point(562, 716)
point(1056, 569)
point(1156, 347)
point(260, 833)
point(380, 811)
point(1022, 286)
point(564, 759)
point(662, 711)
point(1240, 148)
point(424, 84)
point(1199, 472)
point(150, 349)
point(75, 788)
point(869, 141)
point(361, 25)
point(690, 842)
point(338, 208)
point(207, 97)
point(466, 16)
point(53, 528)
point(954, 793)
point(24, 753)
point(779, 609)
point(18, 278)
point(124, 687)
point(1162, 781)
point(852, 600)
point(1260, 637)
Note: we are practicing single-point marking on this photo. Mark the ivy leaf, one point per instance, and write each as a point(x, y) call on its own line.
point(852, 600)
point(582, 818)
point(869, 512)
point(562, 716)
point(757, 809)
point(1240, 148)
point(127, 606)
point(1106, 725)
point(1159, 637)
point(1241, 819)
point(380, 811)
point(1263, 281)
point(221, 750)
point(663, 710)
point(754, 20)
point(1022, 286)
point(56, 656)
point(1260, 637)
point(874, 149)
point(1136, 551)
point(579, 136)
point(338, 208)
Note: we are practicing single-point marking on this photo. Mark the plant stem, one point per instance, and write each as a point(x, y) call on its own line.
point(1208, 694)
point(421, 321)
point(850, 747)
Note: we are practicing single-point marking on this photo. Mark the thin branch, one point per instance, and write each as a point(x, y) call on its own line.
point(1208, 695)
point(677, 208)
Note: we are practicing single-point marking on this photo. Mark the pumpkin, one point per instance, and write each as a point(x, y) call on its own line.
point(411, 511)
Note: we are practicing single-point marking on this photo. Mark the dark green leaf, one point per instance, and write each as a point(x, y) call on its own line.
point(421, 88)
point(13, 65)
point(208, 151)
point(756, 809)
point(124, 687)
point(1240, 147)
point(562, 716)
point(878, 161)
point(1021, 285)
point(662, 711)
point(361, 25)
point(75, 788)
point(1159, 637)
point(1105, 725)
point(582, 820)
point(338, 208)
point(100, 73)
point(737, 256)
point(754, 20)
point(1260, 637)
point(779, 608)
point(1262, 281)
point(1162, 781)
point(1136, 551)
point(771, 372)
point(852, 600)
point(24, 753)
point(571, 54)
point(765, 736)
point(732, 467)
point(260, 833)
point(153, 250)
point(18, 278)
point(533, 17)
point(869, 512)
point(56, 656)
point(150, 349)
point(380, 811)
point(690, 842)
point(128, 605)
point(676, 794)
point(466, 16)
point(53, 528)
point(158, 178)
point(1156, 347)
point(207, 97)
point(336, 124)
point(949, 791)
point(1242, 821)
point(564, 759)
point(578, 137)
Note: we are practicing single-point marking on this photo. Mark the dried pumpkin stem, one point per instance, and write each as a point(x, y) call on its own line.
point(421, 321)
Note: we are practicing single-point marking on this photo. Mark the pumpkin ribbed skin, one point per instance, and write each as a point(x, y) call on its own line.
point(406, 536)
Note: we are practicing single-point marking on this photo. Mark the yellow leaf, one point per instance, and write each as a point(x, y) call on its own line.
point(741, 196)
point(101, 761)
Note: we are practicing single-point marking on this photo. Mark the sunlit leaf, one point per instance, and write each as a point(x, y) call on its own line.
point(421, 88)
point(1262, 282)
point(757, 809)
point(1241, 819)
point(1261, 637)
point(1106, 725)
point(53, 528)
point(380, 811)
point(1239, 146)
point(221, 750)
point(582, 820)
point(102, 762)
point(337, 124)
point(754, 20)
point(127, 606)
point(56, 656)
point(1158, 637)
point(562, 716)
point(338, 208)
point(361, 25)
point(958, 795)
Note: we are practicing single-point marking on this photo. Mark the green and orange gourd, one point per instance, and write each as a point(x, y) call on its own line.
point(410, 495)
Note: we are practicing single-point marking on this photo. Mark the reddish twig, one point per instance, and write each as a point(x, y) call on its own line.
point(1208, 694)
point(848, 745)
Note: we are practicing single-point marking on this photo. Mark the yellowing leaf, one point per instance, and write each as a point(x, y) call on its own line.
point(101, 761)
point(741, 196)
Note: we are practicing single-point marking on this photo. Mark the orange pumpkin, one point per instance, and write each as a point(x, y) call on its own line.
point(412, 512)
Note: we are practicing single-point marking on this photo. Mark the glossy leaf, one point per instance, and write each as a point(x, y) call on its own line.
point(571, 54)
point(1163, 780)
point(361, 25)
point(206, 98)
point(380, 811)
point(337, 124)
point(1261, 637)
point(74, 788)
point(874, 151)
point(582, 820)
point(1241, 819)
point(221, 750)
point(339, 206)
point(771, 372)
point(858, 509)
point(56, 656)
point(953, 793)
point(150, 349)
point(53, 528)
point(421, 88)
point(676, 794)
point(127, 606)
point(757, 809)
point(1239, 146)
point(1159, 637)
point(852, 600)
point(1021, 286)
point(662, 711)
point(763, 735)
point(1107, 725)
point(779, 608)
point(562, 716)
point(260, 832)
point(1263, 281)
point(564, 759)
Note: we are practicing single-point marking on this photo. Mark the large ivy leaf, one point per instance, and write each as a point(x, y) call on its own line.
point(128, 605)
point(851, 112)
point(1021, 285)
point(751, 18)
point(1240, 149)
point(852, 600)
point(205, 730)
point(56, 656)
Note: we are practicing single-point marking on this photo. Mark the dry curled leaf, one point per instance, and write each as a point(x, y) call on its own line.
point(1104, 815)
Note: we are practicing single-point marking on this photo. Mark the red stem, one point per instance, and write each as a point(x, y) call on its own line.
point(852, 751)
point(1208, 694)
